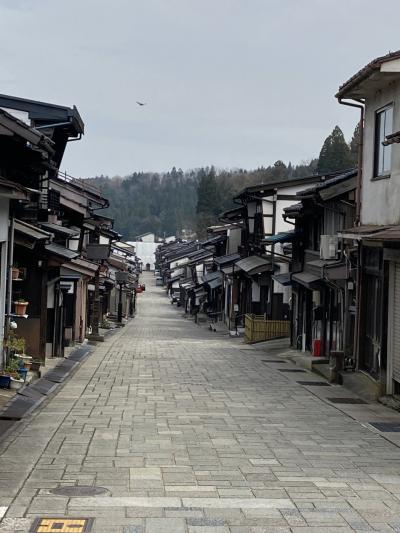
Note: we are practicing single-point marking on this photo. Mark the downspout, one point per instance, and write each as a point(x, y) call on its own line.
point(357, 329)
point(361, 106)
point(10, 262)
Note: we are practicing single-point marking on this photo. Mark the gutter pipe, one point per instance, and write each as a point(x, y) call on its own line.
point(356, 339)
point(360, 105)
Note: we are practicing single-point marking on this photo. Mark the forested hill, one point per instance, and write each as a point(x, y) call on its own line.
point(176, 200)
point(167, 203)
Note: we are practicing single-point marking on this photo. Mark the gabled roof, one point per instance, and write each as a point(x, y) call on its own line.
point(43, 113)
point(331, 181)
point(59, 123)
point(12, 126)
point(352, 87)
point(233, 215)
point(263, 189)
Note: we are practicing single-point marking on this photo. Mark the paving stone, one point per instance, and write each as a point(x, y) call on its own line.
point(166, 525)
point(190, 431)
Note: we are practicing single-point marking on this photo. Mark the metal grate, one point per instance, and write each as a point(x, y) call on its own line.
point(347, 400)
point(314, 383)
point(297, 370)
point(386, 427)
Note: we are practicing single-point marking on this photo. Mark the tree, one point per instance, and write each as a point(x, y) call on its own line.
point(355, 145)
point(335, 153)
point(208, 200)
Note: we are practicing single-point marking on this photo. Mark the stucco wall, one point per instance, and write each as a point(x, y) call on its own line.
point(379, 198)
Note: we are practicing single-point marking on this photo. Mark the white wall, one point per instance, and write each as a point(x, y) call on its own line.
point(234, 240)
point(380, 198)
point(146, 251)
point(150, 237)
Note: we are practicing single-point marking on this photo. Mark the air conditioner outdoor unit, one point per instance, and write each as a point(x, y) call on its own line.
point(328, 247)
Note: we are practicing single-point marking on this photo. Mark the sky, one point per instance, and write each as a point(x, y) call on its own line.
point(233, 83)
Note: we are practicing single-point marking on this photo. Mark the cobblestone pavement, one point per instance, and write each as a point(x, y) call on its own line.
point(190, 431)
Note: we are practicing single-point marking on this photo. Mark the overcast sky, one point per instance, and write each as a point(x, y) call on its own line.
point(234, 83)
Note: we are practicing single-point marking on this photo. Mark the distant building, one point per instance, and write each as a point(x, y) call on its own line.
point(145, 250)
point(146, 237)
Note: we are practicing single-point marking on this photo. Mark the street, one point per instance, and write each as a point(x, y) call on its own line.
point(188, 430)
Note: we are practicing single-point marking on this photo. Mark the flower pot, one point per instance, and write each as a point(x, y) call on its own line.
point(16, 384)
point(20, 307)
point(35, 366)
point(15, 273)
point(5, 382)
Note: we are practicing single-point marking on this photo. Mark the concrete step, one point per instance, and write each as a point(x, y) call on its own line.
point(323, 369)
point(361, 384)
point(307, 361)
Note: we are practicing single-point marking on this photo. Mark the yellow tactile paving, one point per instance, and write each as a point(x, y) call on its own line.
point(61, 525)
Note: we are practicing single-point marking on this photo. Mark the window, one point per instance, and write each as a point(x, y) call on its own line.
point(383, 127)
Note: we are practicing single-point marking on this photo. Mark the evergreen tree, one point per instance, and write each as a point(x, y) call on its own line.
point(335, 153)
point(355, 145)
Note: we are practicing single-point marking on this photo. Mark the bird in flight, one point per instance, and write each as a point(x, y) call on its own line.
point(141, 103)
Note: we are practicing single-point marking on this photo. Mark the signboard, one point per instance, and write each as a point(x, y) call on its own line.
point(97, 252)
point(121, 277)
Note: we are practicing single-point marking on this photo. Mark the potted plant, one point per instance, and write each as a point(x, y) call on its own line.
point(15, 272)
point(11, 376)
point(20, 306)
point(5, 381)
point(16, 344)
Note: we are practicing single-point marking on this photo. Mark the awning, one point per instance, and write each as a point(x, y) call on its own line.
point(61, 251)
point(83, 266)
point(225, 260)
point(391, 234)
point(214, 240)
point(305, 278)
point(176, 275)
point(69, 274)
point(117, 262)
point(27, 235)
point(213, 279)
point(359, 233)
point(200, 257)
point(214, 283)
point(188, 285)
point(13, 191)
point(283, 279)
point(286, 236)
point(254, 264)
point(62, 230)
point(208, 276)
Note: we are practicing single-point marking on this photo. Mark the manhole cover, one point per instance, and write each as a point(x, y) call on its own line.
point(387, 427)
point(290, 370)
point(78, 490)
point(62, 525)
point(347, 400)
point(314, 383)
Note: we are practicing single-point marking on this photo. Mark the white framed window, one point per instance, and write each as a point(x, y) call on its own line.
point(383, 154)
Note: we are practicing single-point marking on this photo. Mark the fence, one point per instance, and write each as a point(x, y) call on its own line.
point(257, 328)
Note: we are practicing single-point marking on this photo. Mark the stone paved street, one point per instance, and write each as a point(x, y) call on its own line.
point(191, 431)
